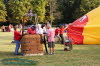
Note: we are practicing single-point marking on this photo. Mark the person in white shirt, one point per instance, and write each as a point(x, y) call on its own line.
point(39, 30)
point(44, 29)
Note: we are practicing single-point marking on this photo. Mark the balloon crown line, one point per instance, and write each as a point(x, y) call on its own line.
point(18, 61)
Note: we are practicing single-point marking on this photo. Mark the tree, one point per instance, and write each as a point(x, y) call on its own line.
point(52, 9)
point(67, 8)
point(84, 8)
point(73, 9)
point(65, 11)
point(3, 12)
point(17, 9)
point(38, 7)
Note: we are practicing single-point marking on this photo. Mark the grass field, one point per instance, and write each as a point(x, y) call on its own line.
point(81, 55)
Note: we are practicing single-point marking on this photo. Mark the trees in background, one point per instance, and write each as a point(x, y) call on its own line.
point(63, 11)
point(17, 9)
point(38, 7)
point(54, 13)
point(85, 6)
point(3, 12)
point(73, 9)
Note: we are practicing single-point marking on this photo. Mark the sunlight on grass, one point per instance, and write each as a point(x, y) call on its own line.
point(81, 48)
point(81, 55)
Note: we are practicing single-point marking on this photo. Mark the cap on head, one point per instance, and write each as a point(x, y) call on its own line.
point(33, 27)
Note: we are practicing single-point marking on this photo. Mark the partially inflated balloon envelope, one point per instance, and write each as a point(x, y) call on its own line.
point(86, 29)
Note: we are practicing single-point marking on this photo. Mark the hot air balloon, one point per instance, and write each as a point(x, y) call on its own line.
point(86, 29)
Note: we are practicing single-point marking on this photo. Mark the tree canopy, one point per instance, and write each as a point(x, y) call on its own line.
point(73, 9)
point(17, 9)
point(47, 10)
point(3, 12)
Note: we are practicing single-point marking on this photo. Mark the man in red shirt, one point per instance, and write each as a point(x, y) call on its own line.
point(32, 30)
point(17, 37)
point(61, 31)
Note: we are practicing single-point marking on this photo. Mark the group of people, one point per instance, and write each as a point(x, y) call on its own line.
point(44, 30)
point(9, 28)
point(36, 29)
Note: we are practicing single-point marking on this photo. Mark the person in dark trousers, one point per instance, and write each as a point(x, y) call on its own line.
point(50, 35)
point(61, 31)
point(17, 37)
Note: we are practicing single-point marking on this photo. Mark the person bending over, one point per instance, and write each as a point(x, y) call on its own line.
point(32, 30)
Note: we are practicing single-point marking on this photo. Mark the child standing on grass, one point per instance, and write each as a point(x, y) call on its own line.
point(50, 36)
point(17, 37)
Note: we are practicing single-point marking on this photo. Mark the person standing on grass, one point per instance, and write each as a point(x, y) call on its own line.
point(17, 37)
point(3, 28)
point(57, 37)
point(50, 36)
point(61, 31)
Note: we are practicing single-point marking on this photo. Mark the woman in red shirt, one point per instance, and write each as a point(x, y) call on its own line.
point(17, 37)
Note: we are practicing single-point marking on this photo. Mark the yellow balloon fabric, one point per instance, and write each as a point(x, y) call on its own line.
point(91, 31)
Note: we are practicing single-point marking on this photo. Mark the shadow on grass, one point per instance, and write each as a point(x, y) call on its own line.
point(8, 54)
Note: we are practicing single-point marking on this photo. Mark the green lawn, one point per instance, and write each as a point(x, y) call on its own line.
point(81, 55)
